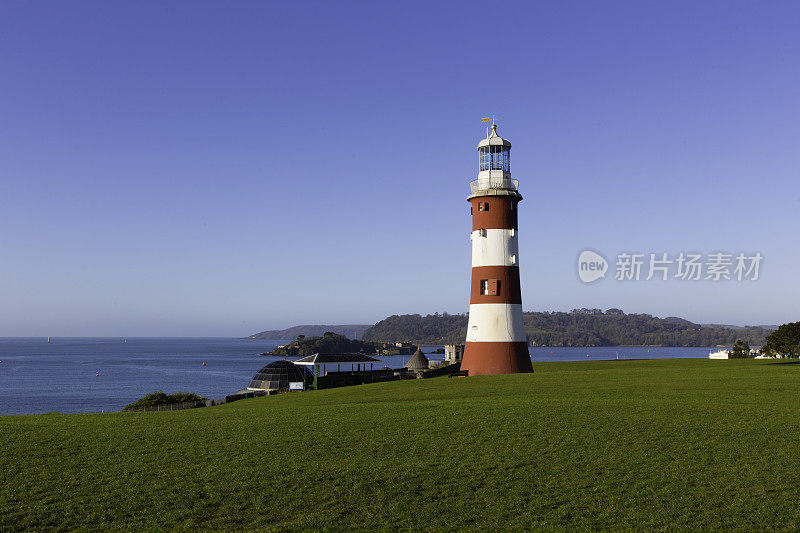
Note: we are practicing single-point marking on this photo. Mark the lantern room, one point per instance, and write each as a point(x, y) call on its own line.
point(494, 153)
point(494, 160)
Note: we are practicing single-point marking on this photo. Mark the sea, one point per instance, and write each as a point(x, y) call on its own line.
point(83, 375)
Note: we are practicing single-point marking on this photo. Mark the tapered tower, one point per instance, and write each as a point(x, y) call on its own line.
point(496, 342)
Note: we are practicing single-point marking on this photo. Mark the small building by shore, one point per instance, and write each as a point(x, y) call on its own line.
point(453, 353)
point(418, 362)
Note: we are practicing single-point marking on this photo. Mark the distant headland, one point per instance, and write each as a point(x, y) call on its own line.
point(351, 331)
point(332, 343)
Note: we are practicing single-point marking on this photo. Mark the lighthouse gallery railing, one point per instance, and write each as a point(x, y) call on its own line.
point(482, 184)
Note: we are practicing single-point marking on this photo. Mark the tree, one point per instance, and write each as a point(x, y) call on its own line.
point(784, 341)
point(740, 350)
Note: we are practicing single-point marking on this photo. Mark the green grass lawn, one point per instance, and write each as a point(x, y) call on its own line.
point(662, 445)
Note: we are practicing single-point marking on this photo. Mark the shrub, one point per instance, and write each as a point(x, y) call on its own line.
point(159, 398)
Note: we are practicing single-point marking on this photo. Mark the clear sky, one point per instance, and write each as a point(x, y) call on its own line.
point(220, 168)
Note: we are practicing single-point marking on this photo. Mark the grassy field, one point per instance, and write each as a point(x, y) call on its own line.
point(662, 445)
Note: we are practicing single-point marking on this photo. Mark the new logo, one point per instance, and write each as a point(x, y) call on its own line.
point(591, 266)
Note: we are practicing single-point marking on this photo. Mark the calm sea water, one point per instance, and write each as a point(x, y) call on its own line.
point(39, 377)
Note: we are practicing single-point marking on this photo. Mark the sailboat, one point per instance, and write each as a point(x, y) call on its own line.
point(48, 340)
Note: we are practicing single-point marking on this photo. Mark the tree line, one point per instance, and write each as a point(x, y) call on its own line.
point(579, 327)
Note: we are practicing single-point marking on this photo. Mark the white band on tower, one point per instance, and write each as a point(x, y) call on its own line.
point(495, 323)
point(494, 247)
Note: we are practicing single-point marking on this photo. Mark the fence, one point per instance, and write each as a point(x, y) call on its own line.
point(201, 403)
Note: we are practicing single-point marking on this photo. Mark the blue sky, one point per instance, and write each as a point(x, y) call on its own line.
point(210, 168)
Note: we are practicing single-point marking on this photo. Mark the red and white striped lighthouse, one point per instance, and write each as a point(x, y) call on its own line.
point(496, 342)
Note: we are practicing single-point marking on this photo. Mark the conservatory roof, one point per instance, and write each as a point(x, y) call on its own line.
point(339, 358)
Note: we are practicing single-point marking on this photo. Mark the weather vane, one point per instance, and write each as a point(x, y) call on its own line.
point(487, 119)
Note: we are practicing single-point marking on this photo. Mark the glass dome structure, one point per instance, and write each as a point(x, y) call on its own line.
point(278, 374)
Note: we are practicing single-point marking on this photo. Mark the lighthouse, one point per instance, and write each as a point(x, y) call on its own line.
point(496, 342)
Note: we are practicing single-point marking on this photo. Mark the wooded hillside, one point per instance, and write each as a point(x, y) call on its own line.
point(579, 327)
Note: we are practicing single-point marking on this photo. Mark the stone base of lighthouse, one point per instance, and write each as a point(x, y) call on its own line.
point(485, 358)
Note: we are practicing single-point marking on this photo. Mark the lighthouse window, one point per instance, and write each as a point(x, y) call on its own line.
point(483, 206)
point(490, 287)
